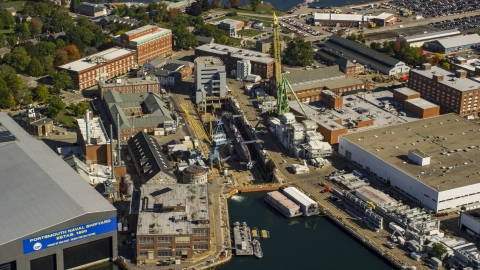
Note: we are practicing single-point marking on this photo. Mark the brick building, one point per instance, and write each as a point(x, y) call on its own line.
point(229, 26)
point(148, 41)
point(309, 84)
point(173, 221)
point(92, 138)
point(412, 102)
point(105, 64)
point(34, 124)
point(454, 92)
point(130, 85)
point(262, 63)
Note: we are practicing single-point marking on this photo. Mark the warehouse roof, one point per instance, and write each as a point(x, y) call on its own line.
point(149, 157)
point(341, 17)
point(299, 77)
point(91, 61)
point(451, 141)
point(359, 52)
point(158, 114)
point(156, 215)
point(421, 103)
point(406, 91)
point(459, 41)
point(37, 188)
point(129, 81)
point(430, 36)
point(450, 79)
point(217, 49)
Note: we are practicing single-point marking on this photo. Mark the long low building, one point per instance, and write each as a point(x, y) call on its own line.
point(366, 56)
point(104, 65)
point(419, 40)
point(51, 217)
point(332, 19)
point(434, 161)
point(448, 45)
point(307, 205)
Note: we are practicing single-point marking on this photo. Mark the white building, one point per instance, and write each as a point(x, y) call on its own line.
point(446, 147)
point(244, 68)
point(210, 78)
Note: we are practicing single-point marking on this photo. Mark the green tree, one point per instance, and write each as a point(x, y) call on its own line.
point(22, 31)
point(352, 37)
point(14, 82)
point(6, 70)
point(60, 44)
point(35, 68)
point(11, 101)
point(46, 48)
point(41, 92)
point(18, 58)
point(255, 3)
point(80, 108)
point(61, 80)
point(438, 250)
point(6, 19)
point(446, 65)
point(195, 9)
point(4, 95)
point(183, 38)
point(300, 52)
point(341, 33)
point(55, 106)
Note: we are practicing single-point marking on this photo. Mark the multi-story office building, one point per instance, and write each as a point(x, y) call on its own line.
point(454, 92)
point(210, 78)
point(148, 41)
point(262, 64)
point(145, 84)
point(173, 221)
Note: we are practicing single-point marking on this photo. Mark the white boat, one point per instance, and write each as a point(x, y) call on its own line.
point(257, 249)
point(390, 245)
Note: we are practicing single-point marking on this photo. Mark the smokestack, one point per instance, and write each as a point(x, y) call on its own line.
point(87, 126)
point(119, 145)
point(111, 151)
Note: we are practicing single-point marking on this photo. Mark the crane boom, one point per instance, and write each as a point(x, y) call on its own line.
point(195, 125)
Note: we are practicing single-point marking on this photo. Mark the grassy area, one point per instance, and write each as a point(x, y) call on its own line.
point(265, 8)
point(6, 31)
point(250, 43)
point(18, 5)
point(249, 32)
point(65, 119)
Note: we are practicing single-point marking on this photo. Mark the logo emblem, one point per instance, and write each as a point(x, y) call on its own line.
point(37, 246)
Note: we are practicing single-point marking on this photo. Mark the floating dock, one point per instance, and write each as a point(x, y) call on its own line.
point(308, 206)
point(255, 233)
point(284, 205)
point(265, 234)
point(243, 239)
point(258, 189)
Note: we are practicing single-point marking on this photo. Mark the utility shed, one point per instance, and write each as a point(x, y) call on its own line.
point(48, 209)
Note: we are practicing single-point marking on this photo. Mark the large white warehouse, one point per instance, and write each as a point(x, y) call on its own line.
point(307, 205)
point(435, 161)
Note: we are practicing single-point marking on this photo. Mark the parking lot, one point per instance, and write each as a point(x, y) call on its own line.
point(432, 9)
point(461, 24)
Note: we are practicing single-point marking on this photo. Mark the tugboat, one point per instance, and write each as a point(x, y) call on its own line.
point(257, 249)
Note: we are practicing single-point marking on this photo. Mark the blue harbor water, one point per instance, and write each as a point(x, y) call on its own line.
point(298, 243)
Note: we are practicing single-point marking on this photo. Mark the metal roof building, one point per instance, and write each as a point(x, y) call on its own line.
point(301, 199)
point(447, 45)
point(418, 40)
point(51, 217)
point(352, 50)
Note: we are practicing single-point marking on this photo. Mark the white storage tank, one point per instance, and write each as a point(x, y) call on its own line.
point(195, 174)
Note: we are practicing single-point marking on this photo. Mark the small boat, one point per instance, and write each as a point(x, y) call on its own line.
point(257, 249)
point(390, 245)
point(265, 234)
point(236, 224)
point(255, 233)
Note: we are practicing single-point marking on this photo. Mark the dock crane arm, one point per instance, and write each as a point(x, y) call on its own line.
point(305, 115)
point(195, 125)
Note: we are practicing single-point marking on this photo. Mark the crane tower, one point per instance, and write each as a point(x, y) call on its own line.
point(280, 79)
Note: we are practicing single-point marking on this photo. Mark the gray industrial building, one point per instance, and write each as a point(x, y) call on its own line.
point(453, 44)
point(419, 40)
point(210, 78)
point(51, 217)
